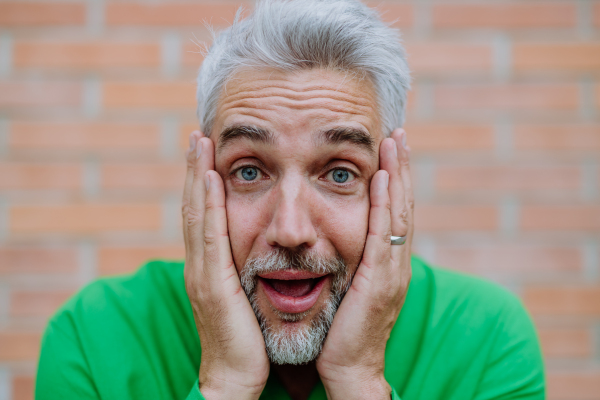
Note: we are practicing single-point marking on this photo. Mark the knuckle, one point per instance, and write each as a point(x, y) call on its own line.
point(185, 205)
point(194, 216)
point(213, 207)
point(403, 215)
point(209, 239)
point(191, 162)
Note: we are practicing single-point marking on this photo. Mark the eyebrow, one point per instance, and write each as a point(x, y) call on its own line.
point(347, 135)
point(238, 132)
point(336, 135)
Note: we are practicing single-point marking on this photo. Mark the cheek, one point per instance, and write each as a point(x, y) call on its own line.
point(344, 223)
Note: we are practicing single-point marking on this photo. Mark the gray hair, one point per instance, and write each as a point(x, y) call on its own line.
point(292, 35)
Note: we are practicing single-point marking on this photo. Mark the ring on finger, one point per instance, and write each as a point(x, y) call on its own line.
point(398, 240)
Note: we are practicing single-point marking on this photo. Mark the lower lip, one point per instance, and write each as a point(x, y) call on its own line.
point(293, 305)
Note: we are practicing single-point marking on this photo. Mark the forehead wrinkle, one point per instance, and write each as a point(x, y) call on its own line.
point(293, 95)
point(257, 94)
point(323, 104)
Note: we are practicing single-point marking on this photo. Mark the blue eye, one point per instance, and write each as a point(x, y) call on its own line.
point(340, 175)
point(248, 173)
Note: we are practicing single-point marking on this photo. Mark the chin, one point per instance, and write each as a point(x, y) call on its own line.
point(295, 296)
point(295, 338)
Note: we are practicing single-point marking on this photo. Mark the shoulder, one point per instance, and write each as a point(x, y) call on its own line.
point(467, 331)
point(156, 287)
point(482, 301)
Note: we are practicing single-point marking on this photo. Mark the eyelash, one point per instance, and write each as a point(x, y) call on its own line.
point(235, 171)
point(353, 174)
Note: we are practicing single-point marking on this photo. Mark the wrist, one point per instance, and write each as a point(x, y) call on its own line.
point(227, 387)
point(215, 390)
point(355, 385)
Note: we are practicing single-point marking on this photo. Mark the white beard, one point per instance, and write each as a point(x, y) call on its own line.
point(293, 343)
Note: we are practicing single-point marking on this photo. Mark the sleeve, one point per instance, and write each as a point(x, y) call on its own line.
point(195, 393)
point(395, 395)
point(63, 372)
point(514, 367)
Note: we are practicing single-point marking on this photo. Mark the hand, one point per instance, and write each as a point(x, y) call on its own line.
point(234, 361)
point(352, 362)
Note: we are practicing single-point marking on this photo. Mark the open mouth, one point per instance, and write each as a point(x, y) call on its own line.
point(292, 291)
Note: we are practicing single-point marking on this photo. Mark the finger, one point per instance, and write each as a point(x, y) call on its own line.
point(203, 161)
point(217, 249)
point(399, 137)
point(189, 178)
point(377, 246)
point(388, 154)
point(388, 160)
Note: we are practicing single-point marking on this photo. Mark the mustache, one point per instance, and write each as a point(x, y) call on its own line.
point(281, 259)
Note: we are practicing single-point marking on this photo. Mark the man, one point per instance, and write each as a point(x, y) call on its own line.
point(298, 222)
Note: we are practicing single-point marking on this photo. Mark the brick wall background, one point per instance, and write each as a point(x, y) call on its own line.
point(97, 100)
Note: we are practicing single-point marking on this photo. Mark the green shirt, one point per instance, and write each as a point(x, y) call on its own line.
point(134, 337)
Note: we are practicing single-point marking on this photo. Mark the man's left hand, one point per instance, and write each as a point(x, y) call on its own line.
point(351, 364)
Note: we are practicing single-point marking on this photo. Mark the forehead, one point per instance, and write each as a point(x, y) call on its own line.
point(298, 103)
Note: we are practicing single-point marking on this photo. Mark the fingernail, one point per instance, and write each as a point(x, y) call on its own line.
point(387, 180)
point(207, 181)
point(404, 140)
point(199, 149)
point(192, 143)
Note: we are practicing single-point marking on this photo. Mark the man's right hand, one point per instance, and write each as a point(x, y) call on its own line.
point(234, 361)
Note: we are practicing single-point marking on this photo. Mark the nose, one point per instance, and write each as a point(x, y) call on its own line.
point(291, 224)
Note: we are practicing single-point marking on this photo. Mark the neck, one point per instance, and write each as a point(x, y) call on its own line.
point(298, 380)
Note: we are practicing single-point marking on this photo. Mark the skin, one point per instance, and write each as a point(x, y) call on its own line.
point(294, 203)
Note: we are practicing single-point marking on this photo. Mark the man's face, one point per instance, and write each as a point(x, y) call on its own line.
point(296, 152)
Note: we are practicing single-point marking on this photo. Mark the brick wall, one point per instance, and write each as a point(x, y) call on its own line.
point(97, 100)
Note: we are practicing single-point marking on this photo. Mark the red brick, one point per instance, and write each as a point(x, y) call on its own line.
point(455, 218)
point(486, 178)
point(173, 14)
point(23, 387)
point(580, 385)
point(19, 346)
point(85, 218)
point(563, 218)
point(513, 97)
point(449, 136)
point(552, 56)
point(85, 55)
point(78, 137)
point(20, 14)
point(143, 176)
point(39, 94)
point(37, 303)
point(557, 137)
point(153, 95)
point(566, 342)
point(596, 15)
point(118, 260)
point(510, 258)
point(563, 300)
point(399, 15)
point(39, 176)
point(504, 16)
point(433, 57)
point(37, 260)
